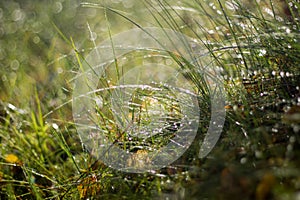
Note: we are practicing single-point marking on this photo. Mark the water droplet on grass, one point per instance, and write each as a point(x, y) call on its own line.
point(289, 147)
point(18, 15)
point(243, 160)
point(169, 62)
point(292, 139)
point(36, 39)
point(258, 154)
point(93, 36)
point(15, 65)
point(210, 31)
point(55, 126)
point(275, 130)
point(58, 7)
point(262, 52)
point(60, 70)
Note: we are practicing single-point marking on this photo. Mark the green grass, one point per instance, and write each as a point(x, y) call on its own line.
point(254, 45)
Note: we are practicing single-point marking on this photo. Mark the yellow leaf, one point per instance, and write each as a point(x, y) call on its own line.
point(265, 186)
point(228, 107)
point(88, 187)
point(82, 191)
point(12, 158)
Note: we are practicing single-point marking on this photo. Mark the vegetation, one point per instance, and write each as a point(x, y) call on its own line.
point(254, 45)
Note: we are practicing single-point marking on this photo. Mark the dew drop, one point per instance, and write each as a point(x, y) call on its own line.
point(258, 154)
point(292, 139)
point(36, 39)
point(93, 36)
point(169, 62)
point(15, 65)
point(243, 160)
point(60, 70)
point(18, 15)
point(235, 107)
point(289, 147)
point(262, 52)
point(296, 128)
point(55, 126)
point(210, 31)
point(57, 7)
point(275, 130)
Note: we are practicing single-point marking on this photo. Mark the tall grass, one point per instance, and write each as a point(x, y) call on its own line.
point(253, 44)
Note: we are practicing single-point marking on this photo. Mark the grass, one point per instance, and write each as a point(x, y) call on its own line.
point(253, 44)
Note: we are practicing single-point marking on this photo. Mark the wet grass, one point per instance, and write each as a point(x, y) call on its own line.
point(253, 44)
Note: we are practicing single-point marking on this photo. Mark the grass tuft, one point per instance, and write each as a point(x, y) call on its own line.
point(254, 45)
